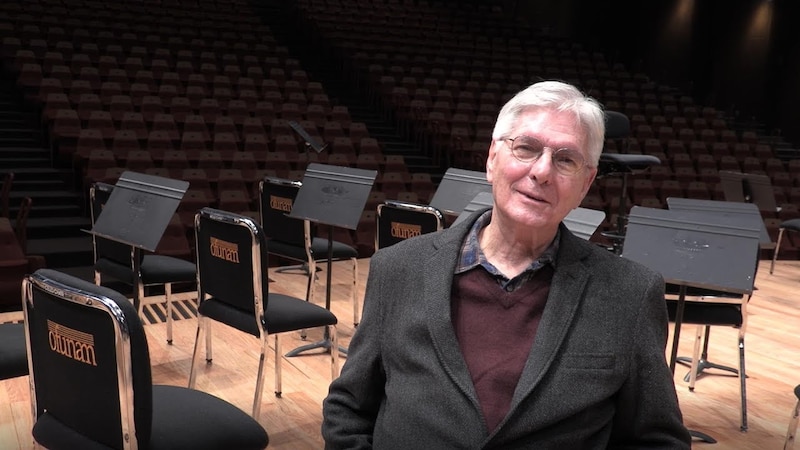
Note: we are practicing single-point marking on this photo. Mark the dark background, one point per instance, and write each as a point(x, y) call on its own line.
point(740, 56)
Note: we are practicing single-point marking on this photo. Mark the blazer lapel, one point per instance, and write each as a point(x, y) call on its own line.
point(567, 291)
point(437, 291)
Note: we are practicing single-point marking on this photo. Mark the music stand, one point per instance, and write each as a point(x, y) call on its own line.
point(748, 188)
point(693, 249)
point(333, 196)
point(481, 201)
point(309, 141)
point(583, 222)
point(748, 214)
point(138, 212)
point(457, 189)
point(744, 214)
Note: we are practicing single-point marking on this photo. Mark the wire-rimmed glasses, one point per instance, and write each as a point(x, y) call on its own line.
point(528, 149)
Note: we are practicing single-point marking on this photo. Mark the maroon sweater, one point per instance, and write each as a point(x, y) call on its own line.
point(495, 330)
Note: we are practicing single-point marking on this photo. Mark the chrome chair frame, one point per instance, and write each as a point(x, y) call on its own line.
point(122, 345)
point(413, 208)
point(259, 277)
point(107, 352)
point(136, 260)
point(316, 249)
point(697, 361)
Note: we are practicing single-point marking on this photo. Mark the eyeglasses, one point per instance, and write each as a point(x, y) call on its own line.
point(529, 149)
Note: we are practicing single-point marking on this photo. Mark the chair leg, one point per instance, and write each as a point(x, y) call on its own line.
point(356, 303)
point(743, 384)
point(260, 377)
point(138, 298)
point(703, 363)
point(310, 289)
point(201, 328)
point(278, 367)
point(777, 248)
point(696, 356)
point(207, 330)
point(791, 433)
point(168, 299)
point(334, 353)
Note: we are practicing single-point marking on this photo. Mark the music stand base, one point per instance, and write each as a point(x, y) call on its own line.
point(617, 238)
point(703, 364)
point(302, 268)
point(324, 343)
point(702, 436)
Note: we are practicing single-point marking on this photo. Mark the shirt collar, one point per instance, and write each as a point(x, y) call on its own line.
point(472, 256)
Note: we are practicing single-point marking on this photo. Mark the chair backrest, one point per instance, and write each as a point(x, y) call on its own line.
point(398, 221)
point(276, 198)
point(114, 251)
point(230, 252)
point(89, 363)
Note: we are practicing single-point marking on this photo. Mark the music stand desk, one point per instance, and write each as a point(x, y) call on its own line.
point(138, 212)
point(333, 196)
point(749, 188)
point(693, 249)
point(457, 189)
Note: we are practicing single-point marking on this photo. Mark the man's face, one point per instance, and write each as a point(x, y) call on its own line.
point(535, 195)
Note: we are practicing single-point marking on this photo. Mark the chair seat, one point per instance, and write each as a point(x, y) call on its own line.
point(707, 313)
point(179, 414)
point(791, 224)
point(13, 352)
point(284, 313)
point(155, 269)
point(319, 249)
point(182, 418)
point(613, 163)
point(158, 269)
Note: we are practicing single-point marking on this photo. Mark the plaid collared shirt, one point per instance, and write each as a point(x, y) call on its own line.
point(472, 256)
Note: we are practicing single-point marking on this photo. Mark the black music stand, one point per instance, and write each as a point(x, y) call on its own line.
point(481, 200)
point(308, 141)
point(748, 214)
point(333, 196)
point(743, 214)
point(693, 249)
point(583, 222)
point(748, 188)
point(138, 212)
point(457, 189)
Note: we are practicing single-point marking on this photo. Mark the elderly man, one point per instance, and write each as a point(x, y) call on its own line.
point(505, 330)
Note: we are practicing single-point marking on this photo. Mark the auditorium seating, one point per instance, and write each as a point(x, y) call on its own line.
point(214, 68)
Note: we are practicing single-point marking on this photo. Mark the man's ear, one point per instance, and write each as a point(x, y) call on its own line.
point(490, 160)
point(590, 177)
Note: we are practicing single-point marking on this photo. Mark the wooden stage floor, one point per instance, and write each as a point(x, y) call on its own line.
point(293, 421)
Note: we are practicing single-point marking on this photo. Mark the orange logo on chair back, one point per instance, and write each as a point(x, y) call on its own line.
point(280, 203)
point(225, 250)
point(71, 343)
point(405, 230)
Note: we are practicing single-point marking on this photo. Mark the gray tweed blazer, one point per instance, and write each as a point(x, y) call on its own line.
point(596, 376)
